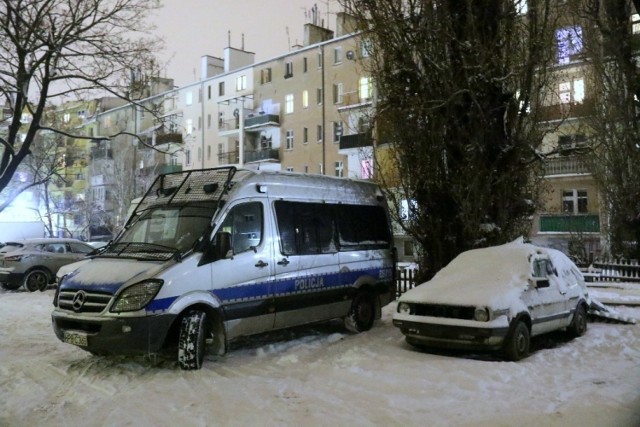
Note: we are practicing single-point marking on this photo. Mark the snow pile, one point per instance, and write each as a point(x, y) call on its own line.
point(317, 376)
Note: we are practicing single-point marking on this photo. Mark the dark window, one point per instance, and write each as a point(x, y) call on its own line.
point(305, 228)
point(362, 227)
point(310, 228)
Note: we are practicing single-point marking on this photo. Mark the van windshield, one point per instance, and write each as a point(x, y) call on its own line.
point(168, 229)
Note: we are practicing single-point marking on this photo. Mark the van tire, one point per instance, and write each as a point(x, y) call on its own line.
point(516, 346)
point(192, 340)
point(37, 279)
point(362, 313)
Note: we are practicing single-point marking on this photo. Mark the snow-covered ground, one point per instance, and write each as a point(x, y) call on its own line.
point(320, 376)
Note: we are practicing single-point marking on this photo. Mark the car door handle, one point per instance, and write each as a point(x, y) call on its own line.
point(283, 261)
point(261, 264)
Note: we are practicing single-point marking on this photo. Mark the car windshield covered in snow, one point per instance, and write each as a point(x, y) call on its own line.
point(162, 232)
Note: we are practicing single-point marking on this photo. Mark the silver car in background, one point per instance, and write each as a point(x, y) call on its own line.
point(34, 262)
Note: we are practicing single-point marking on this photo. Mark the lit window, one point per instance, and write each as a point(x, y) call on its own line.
point(305, 99)
point(241, 83)
point(521, 6)
point(365, 88)
point(635, 23)
point(366, 169)
point(569, 40)
point(189, 126)
point(572, 91)
point(188, 98)
point(288, 103)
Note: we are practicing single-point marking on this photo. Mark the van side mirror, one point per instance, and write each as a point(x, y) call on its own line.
point(218, 249)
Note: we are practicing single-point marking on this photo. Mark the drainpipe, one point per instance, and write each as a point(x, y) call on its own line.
point(202, 122)
point(324, 106)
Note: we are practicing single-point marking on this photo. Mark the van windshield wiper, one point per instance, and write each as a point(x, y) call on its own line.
point(140, 251)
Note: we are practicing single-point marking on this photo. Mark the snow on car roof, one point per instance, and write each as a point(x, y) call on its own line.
point(493, 276)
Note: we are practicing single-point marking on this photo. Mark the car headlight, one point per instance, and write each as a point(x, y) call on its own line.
point(481, 314)
point(136, 296)
point(404, 308)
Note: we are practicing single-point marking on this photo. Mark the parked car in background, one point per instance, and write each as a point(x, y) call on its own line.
point(34, 262)
point(496, 298)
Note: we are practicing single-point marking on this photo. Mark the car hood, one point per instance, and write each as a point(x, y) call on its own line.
point(494, 277)
point(108, 275)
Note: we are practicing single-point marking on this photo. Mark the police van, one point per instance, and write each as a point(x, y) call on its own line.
point(212, 255)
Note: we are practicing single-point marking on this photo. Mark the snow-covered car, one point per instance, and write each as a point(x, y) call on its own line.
point(496, 298)
point(34, 262)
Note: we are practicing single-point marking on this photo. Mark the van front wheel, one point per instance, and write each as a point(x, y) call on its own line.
point(362, 313)
point(192, 339)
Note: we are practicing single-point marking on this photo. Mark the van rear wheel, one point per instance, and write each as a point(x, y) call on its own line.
point(192, 340)
point(362, 313)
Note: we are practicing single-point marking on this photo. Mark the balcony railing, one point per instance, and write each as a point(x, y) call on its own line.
point(357, 140)
point(568, 110)
point(259, 155)
point(569, 165)
point(169, 168)
point(569, 223)
point(168, 138)
point(229, 158)
point(261, 120)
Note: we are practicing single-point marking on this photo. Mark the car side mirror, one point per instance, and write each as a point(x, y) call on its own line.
point(538, 282)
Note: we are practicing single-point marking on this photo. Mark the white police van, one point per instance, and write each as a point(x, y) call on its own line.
point(216, 254)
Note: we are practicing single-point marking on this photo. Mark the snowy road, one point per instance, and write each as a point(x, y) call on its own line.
point(318, 376)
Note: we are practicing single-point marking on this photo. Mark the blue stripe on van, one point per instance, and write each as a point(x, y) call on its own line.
point(286, 287)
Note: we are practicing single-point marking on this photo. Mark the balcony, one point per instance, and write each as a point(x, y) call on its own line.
point(565, 111)
point(169, 169)
point(260, 155)
point(168, 138)
point(260, 121)
point(229, 158)
point(357, 140)
point(570, 165)
point(569, 223)
point(353, 99)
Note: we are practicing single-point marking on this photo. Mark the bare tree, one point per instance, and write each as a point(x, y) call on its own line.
point(52, 50)
point(612, 50)
point(459, 84)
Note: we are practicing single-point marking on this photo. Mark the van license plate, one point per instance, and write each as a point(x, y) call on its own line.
point(75, 338)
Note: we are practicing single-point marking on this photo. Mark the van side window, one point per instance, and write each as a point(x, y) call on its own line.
point(244, 224)
point(362, 227)
point(305, 228)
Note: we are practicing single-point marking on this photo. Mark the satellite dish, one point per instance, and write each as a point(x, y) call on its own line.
point(350, 55)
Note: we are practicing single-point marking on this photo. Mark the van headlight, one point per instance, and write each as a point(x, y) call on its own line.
point(481, 314)
point(137, 296)
point(404, 308)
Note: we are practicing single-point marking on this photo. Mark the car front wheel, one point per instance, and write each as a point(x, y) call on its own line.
point(192, 340)
point(518, 341)
point(578, 325)
point(36, 280)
